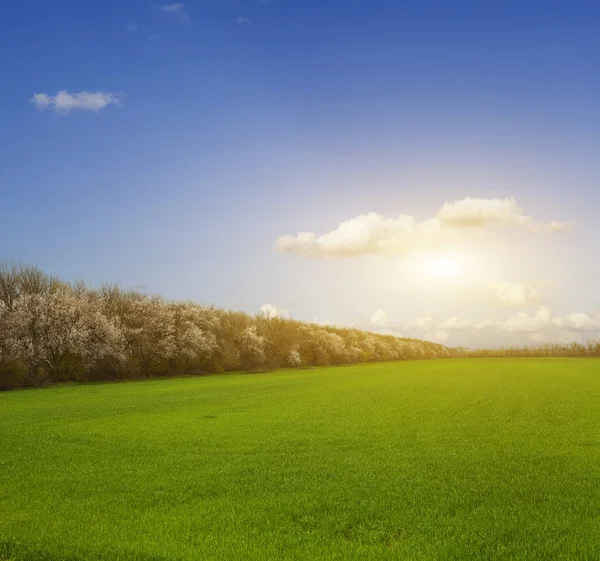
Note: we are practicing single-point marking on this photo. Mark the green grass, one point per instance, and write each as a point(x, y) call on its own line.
point(433, 460)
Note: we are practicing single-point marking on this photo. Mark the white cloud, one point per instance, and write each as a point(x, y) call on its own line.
point(520, 322)
point(541, 321)
point(424, 323)
point(171, 7)
point(523, 322)
point(511, 294)
point(579, 322)
point(272, 311)
point(439, 331)
point(519, 329)
point(243, 21)
point(379, 318)
point(177, 10)
point(64, 102)
point(381, 322)
point(367, 233)
point(132, 27)
point(374, 234)
point(471, 212)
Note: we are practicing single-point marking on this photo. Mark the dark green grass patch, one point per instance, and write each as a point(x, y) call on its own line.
point(439, 460)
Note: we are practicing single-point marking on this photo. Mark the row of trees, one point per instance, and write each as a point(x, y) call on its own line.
point(52, 331)
point(588, 349)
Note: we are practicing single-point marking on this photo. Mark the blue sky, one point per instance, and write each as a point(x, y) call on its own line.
point(242, 121)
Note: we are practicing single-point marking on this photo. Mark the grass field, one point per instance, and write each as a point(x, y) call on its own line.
point(432, 460)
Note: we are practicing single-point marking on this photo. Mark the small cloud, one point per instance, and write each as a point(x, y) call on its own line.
point(64, 102)
point(271, 311)
point(243, 21)
point(153, 36)
point(470, 212)
point(381, 322)
point(424, 323)
point(176, 10)
point(132, 27)
point(515, 294)
point(379, 318)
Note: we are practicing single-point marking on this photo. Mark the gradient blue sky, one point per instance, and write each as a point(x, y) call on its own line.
point(245, 120)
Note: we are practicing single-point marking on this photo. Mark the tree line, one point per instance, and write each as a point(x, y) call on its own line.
point(54, 331)
point(588, 349)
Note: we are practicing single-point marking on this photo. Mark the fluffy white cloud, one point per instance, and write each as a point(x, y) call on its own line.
point(381, 322)
point(541, 322)
point(515, 294)
point(379, 318)
point(544, 320)
point(374, 234)
point(65, 102)
point(367, 233)
point(243, 21)
point(272, 311)
point(523, 322)
point(520, 328)
point(471, 212)
point(579, 322)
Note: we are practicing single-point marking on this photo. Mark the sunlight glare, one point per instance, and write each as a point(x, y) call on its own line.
point(444, 266)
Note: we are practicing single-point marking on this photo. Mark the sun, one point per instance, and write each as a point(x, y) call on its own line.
point(444, 266)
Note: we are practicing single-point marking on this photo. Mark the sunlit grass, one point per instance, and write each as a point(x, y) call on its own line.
point(486, 459)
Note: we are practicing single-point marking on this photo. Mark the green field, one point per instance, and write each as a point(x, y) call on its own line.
point(432, 460)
